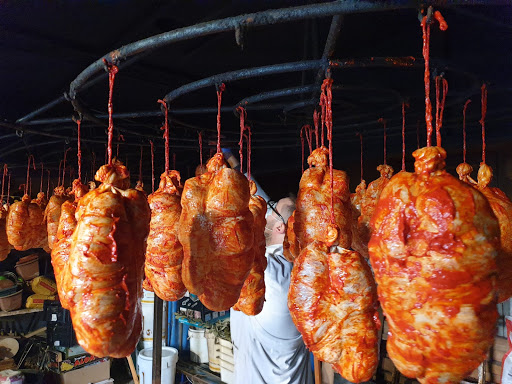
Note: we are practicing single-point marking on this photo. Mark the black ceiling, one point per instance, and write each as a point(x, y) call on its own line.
point(45, 46)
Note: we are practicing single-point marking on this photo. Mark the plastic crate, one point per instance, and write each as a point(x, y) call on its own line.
point(54, 313)
point(60, 335)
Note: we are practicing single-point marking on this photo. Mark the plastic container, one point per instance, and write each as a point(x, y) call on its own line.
point(148, 314)
point(9, 284)
point(11, 302)
point(198, 346)
point(145, 365)
point(213, 351)
point(28, 267)
point(227, 376)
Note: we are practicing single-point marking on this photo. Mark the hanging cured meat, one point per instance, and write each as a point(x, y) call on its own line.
point(61, 248)
point(502, 208)
point(500, 205)
point(310, 220)
point(102, 279)
point(5, 246)
point(26, 227)
point(339, 325)
point(252, 295)
point(432, 250)
point(368, 201)
point(332, 296)
point(53, 212)
point(164, 252)
point(216, 231)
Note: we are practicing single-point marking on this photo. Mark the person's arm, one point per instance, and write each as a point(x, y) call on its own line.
point(235, 164)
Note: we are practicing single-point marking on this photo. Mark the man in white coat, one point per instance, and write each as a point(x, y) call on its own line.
point(268, 348)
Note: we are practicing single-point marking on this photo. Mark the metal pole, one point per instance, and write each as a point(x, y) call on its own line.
point(232, 23)
point(157, 340)
point(246, 73)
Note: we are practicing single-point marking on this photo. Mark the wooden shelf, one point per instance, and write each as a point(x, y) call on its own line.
point(20, 312)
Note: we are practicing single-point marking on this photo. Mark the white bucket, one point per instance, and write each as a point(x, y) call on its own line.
point(198, 346)
point(145, 365)
point(148, 314)
point(213, 351)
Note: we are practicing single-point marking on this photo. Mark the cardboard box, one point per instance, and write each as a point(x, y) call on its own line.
point(59, 363)
point(90, 374)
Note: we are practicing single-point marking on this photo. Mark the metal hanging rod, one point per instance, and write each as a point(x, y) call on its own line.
point(236, 23)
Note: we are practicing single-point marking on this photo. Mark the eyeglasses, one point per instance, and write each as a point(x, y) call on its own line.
point(272, 205)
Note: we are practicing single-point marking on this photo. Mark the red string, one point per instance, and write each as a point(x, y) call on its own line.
point(48, 185)
point(93, 164)
point(361, 152)
point(30, 158)
point(425, 25)
point(64, 165)
point(403, 136)
point(248, 139)
point(140, 163)
point(165, 128)
point(418, 134)
point(309, 137)
point(440, 103)
point(119, 138)
point(42, 173)
point(426, 55)
point(482, 120)
point(79, 124)
point(152, 167)
point(383, 121)
point(3, 182)
point(315, 121)
point(200, 138)
point(327, 91)
point(322, 116)
point(9, 191)
point(243, 115)
point(112, 71)
point(464, 129)
point(60, 168)
point(302, 150)
point(221, 89)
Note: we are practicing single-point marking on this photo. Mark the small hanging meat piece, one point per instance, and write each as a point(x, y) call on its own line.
point(40, 200)
point(216, 232)
point(26, 227)
point(252, 295)
point(102, 279)
point(67, 225)
point(164, 253)
point(433, 249)
point(53, 212)
point(367, 200)
point(313, 201)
